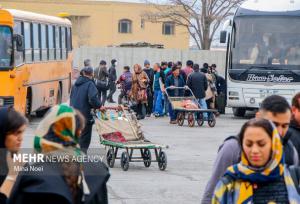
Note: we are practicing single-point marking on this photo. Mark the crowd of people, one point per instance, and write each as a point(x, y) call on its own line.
point(147, 89)
point(259, 165)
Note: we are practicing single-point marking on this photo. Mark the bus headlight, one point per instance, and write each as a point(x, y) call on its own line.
point(233, 95)
point(1, 102)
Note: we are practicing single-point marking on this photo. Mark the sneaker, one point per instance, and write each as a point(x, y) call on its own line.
point(148, 115)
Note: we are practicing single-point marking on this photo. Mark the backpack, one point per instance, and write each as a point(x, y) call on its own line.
point(128, 82)
point(289, 150)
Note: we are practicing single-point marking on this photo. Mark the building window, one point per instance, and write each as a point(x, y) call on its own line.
point(168, 28)
point(125, 26)
point(142, 23)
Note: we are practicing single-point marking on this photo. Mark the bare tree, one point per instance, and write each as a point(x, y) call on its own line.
point(202, 18)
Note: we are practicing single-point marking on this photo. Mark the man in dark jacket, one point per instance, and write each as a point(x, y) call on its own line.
point(112, 76)
point(150, 73)
point(173, 81)
point(294, 129)
point(197, 82)
point(84, 97)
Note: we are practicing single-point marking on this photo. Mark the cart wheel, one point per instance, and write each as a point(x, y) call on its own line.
point(180, 119)
point(200, 120)
point(147, 157)
point(212, 121)
point(110, 158)
point(125, 161)
point(191, 120)
point(162, 161)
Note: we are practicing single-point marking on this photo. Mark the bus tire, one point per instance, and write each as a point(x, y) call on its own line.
point(41, 113)
point(239, 112)
point(28, 103)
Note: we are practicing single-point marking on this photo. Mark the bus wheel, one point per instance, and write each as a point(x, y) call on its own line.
point(59, 95)
point(41, 113)
point(28, 103)
point(239, 112)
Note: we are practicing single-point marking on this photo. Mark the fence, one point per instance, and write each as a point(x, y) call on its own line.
point(131, 56)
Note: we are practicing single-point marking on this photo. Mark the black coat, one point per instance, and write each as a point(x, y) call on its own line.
point(150, 74)
point(49, 186)
point(221, 85)
point(197, 82)
point(112, 74)
point(294, 135)
point(3, 151)
point(84, 97)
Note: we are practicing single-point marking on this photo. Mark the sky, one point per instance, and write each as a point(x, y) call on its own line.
point(136, 1)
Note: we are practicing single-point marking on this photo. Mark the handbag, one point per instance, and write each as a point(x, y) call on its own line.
point(102, 84)
point(142, 95)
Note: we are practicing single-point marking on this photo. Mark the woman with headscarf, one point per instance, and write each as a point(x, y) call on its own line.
point(68, 181)
point(138, 93)
point(12, 127)
point(261, 177)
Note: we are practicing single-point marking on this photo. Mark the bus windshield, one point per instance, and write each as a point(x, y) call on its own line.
point(267, 41)
point(5, 47)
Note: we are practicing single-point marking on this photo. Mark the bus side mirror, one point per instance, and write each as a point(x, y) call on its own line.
point(19, 40)
point(223, 36)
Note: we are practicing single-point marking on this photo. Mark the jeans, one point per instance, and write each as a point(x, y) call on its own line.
point(121, 96)
point(166, 104)
point(157, 105)
point(172, 113)
point(102, 96)
point(112, 90)
point(203, 105)
point(149, 106)
point(85, 137)
point(141, 110)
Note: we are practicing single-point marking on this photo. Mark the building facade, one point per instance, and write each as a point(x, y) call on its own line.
point(101, 24)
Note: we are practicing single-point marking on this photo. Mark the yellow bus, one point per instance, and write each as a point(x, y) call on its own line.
point(35, 60)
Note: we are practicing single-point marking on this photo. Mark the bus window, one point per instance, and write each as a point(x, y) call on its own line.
point(36, 43)
point(51, 42)
point(69, 39)
point(19, 56)
point(44, 42)
point(63, 43)
point(57, 43)
point(28, 47)
point(5, 46)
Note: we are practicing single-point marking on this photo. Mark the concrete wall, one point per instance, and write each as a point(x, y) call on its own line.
point(131, 56)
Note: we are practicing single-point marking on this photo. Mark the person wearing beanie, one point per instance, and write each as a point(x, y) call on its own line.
point(112, 77)
point(150, 73)
point(84, 97)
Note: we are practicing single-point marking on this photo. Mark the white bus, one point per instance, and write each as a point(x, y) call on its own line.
point(263, 53)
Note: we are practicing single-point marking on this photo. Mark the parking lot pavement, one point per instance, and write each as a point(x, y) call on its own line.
point(190, 158)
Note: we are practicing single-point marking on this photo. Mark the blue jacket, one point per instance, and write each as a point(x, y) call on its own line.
point(84, 97)
point(171, 82)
